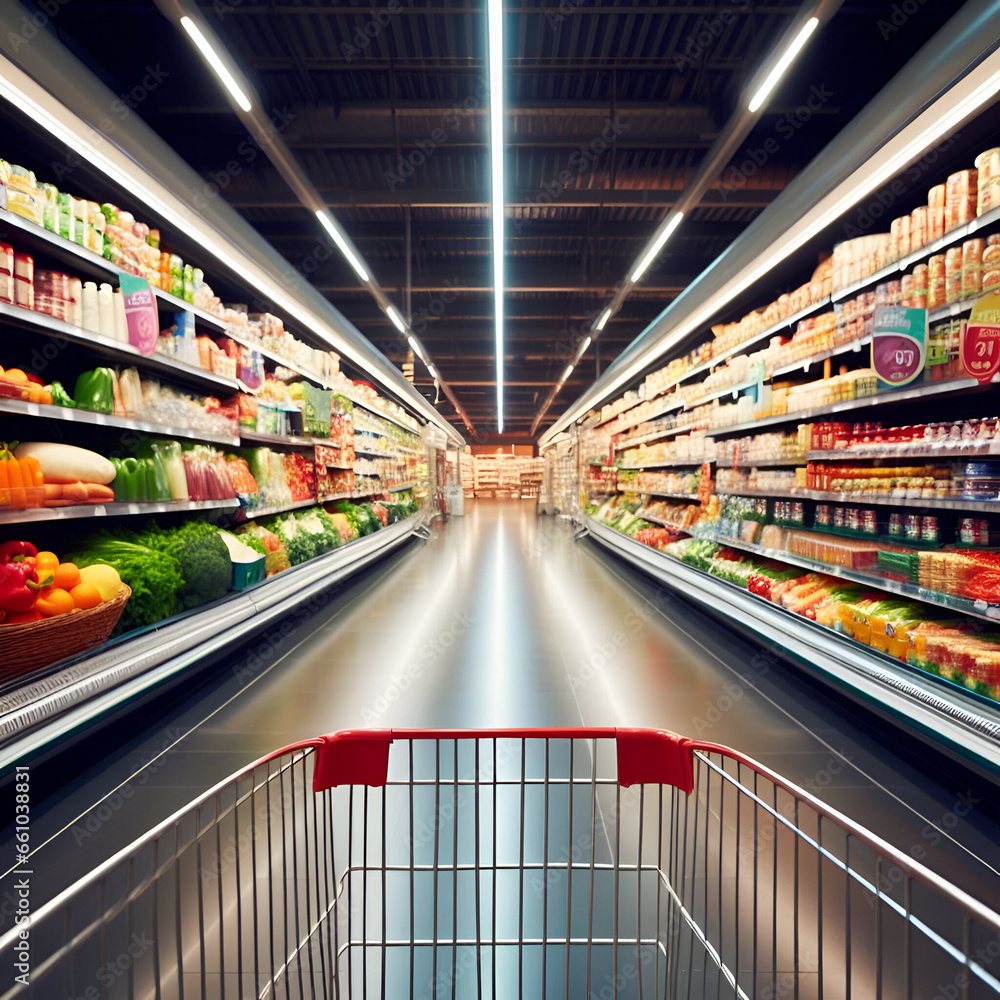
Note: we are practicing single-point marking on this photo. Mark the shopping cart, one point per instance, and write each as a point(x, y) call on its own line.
point(575, 863)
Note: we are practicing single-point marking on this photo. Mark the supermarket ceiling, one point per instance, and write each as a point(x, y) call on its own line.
point(610, 108)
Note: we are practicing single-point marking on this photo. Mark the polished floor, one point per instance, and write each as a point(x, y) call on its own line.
point(504, 618)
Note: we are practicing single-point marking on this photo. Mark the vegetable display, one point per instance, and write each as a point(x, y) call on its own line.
point(202, 557)
point(154, 576)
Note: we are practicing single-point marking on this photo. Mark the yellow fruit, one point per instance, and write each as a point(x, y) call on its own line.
point(85, 595)
point(66, 576)
point(105, 578)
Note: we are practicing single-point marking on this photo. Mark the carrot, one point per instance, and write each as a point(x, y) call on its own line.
point(32, 465)
point(96, 493)
point(18, 497)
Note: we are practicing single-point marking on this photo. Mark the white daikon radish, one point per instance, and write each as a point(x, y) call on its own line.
point(65, 463)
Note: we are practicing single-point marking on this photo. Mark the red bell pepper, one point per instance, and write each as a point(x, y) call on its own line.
point(9, 551)
point(19, 586)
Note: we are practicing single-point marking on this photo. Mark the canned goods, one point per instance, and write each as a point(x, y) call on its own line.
point(911, 527)
point(822, 514)
point(896, 524)
point(869, 522)
point(929, 528)
point(838, 517)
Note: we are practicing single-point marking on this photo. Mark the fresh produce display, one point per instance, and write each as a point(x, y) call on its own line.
point(36, 585)
point(201, 556)
point(172, 565)
point(153, 575)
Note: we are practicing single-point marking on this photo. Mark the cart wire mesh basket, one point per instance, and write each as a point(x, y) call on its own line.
point(575, 863)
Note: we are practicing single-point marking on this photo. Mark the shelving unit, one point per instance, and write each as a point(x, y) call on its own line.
point(964, 523)
point(33, 514)
point(967, 723)
point(138, 661)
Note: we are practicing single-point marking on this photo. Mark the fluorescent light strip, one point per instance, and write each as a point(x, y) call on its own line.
point(930, 127)
point(566, 374)
point(331, 227)
point(583, 347)
point(495, 27)
point(397, 320)
point(657, 246)
point(415, 347)
point(603, 319)
point(433, 372)
point(783, 63)
point(213, 60)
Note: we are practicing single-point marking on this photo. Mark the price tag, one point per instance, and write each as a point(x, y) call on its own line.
point(100, 510)
point(140, 313)
point(899, 344)
point(980, 350)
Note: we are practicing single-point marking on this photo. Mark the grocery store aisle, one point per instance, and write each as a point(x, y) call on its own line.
point(503, 619)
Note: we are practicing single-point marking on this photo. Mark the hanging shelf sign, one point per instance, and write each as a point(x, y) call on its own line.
point(899, 344)
point(981, 339)
point(140, 313)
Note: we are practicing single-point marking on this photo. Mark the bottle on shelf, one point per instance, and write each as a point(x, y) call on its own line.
point(106, 311)
point(75, 309)
point(90, 311)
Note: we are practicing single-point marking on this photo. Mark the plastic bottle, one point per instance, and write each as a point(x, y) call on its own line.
point(121, 323)
point(106, 311)
point(90, 312)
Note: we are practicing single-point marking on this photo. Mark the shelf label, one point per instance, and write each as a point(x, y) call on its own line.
point(981, 339)
point(899, 344)
point(140, 313)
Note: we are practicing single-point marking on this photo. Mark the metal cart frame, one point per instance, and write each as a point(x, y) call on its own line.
point(598, 863)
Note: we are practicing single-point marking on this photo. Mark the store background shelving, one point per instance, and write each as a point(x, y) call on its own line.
point(635, 434)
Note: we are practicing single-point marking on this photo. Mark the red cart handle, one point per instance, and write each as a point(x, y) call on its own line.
point(645, 756)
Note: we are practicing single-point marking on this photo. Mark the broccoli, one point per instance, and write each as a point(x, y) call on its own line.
point(203, 557)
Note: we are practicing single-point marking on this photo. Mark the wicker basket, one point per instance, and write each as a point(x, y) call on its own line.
point(37, 644)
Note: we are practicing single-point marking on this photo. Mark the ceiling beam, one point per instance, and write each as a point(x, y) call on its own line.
point(524, 198)
point(363, 10)
point(304, 228)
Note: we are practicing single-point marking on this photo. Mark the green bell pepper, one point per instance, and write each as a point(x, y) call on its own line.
point(118, 483)
point(60, 397)
point(135, 479)
point(95, 391)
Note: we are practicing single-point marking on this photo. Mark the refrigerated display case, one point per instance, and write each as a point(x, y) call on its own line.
point(766, 459)
point(264, 427)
